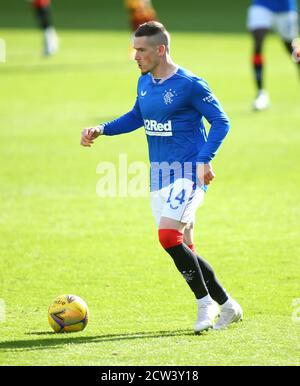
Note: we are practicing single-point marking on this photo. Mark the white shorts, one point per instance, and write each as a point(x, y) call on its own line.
point(178, 201)
point(285, 23)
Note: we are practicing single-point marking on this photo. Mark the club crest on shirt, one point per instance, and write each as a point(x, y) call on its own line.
point(169, 96)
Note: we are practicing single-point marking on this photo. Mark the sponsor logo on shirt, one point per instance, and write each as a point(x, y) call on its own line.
point(153, 127)
point(208, 99)
point(143, 93)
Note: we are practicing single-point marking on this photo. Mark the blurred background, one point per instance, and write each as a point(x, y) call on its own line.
point(193, 15)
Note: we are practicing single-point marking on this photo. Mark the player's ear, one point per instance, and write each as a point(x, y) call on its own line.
point(161, 49)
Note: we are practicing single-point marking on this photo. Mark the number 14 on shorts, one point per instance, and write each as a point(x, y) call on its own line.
point(175, 200)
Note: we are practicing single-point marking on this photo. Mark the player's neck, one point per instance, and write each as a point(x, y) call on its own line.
point(164, 69)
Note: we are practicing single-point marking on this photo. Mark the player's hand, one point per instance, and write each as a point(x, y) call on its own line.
point(88, 135)
point(205, 173)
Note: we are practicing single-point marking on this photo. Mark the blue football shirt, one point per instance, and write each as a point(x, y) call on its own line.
point(172, 111)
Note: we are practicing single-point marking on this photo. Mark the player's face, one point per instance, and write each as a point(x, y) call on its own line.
point(146, 54)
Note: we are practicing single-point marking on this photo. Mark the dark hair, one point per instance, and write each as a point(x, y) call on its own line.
point(150, 28)
point(156, 32)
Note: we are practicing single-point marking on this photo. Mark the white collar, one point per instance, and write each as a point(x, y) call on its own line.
point(162, 80)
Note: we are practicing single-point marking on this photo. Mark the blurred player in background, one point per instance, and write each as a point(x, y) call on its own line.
point(43, 14)
point(171, 104)
point(263, 16)
point(140, 11)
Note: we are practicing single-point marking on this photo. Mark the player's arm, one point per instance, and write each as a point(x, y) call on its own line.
point(209, 106)
point(124, 124)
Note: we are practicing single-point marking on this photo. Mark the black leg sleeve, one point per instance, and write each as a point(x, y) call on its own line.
point(187, 264)
point(215, 289)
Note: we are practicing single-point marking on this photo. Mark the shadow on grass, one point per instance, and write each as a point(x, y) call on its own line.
point(57, 340)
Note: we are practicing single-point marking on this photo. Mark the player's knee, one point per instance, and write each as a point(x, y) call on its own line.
point(170, 238)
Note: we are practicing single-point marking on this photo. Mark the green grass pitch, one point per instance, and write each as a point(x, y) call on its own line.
point(57, 236)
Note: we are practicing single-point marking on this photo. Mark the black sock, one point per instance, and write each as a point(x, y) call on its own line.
point(187, 264)
point(258, 66)
point(215, 289)
point(258, 70)
point(44, 17)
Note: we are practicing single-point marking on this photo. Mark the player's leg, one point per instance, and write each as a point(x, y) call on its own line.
point(171, 238)
point(230, 310)
point(293, 48)
point(179, 202)
point(216, 291)
point(170, 235)
point(261, 102)
point(296, 51)
point(44, 16)
point(260, 21)
point(287, 27)
point(259, 36)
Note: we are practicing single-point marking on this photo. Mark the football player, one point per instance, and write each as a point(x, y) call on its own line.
point(171, 104)
point(43, 13)
point(263, 16)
